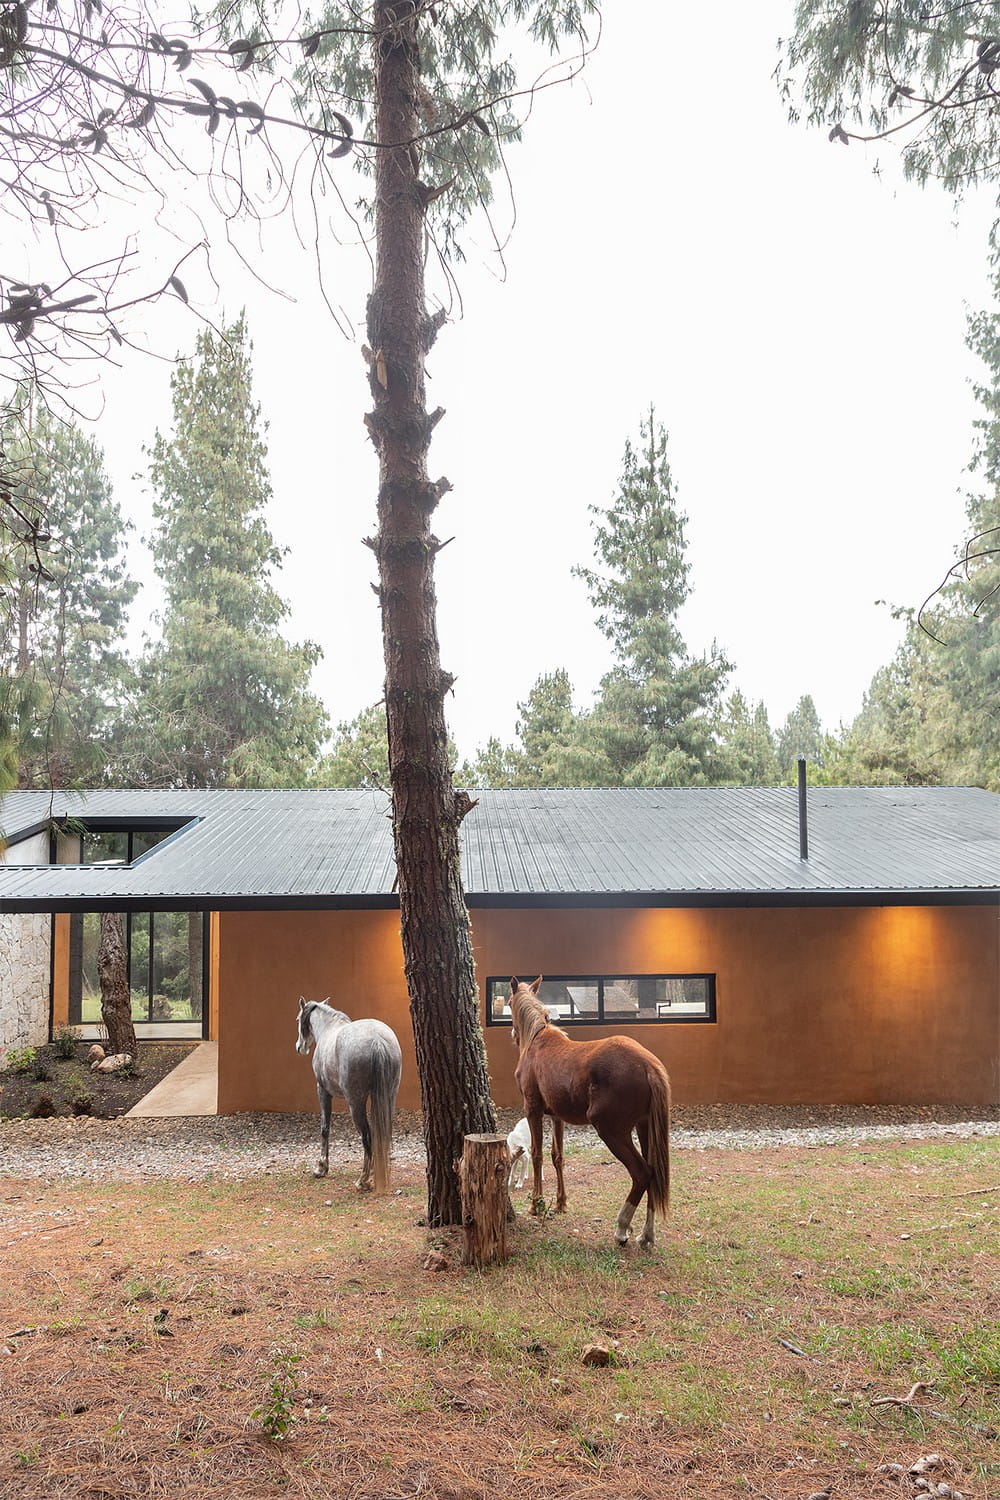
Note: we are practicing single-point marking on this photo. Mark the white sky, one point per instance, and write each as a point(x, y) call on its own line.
point(798, 324)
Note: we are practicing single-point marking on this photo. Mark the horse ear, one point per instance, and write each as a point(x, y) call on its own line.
point(302, 1003)
point(537, 985)
point(514, 985)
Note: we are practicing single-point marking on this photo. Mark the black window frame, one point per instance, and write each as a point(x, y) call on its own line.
point(600, 1019)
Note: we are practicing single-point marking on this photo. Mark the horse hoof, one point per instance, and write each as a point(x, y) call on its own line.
point(622, 1239)
point(647, 1243)
point(321, 1170)
point(363, 1186)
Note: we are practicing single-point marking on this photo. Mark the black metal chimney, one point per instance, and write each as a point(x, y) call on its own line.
point(803, 824)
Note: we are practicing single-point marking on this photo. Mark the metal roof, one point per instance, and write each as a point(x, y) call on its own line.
point(235, 849)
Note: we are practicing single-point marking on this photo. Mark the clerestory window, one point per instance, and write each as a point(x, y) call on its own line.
point(608, 999)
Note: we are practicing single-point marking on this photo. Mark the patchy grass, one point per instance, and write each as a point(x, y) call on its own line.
point(282, 1336)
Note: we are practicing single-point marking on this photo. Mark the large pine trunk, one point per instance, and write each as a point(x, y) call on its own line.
point(112, 971)
point(427, 812)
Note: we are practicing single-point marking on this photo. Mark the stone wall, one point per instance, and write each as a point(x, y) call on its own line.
point(25, 958)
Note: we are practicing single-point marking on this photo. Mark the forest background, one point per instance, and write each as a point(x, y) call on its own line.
point(645, 647)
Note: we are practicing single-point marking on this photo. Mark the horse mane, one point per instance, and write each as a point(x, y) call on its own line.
point(530, 1015)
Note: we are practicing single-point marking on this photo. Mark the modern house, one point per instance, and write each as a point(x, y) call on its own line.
point(841, 946)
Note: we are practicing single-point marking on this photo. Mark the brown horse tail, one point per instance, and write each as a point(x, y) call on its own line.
point(382, 1110)
point(659, 1139)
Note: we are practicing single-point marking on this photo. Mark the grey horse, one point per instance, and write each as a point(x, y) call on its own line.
point(359, 1061)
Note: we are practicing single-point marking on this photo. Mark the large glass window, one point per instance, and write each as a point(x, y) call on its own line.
point(166, 967)
point(608, 999)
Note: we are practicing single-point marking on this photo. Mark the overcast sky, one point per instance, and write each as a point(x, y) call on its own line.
point(797, 322)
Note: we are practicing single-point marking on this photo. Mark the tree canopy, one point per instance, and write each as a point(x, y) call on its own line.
point(924, 77)
point(63, 673)
point(222, 699)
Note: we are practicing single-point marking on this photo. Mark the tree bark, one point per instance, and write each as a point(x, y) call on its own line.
point(112, 971)
point(483, 1173)
point(427, 812)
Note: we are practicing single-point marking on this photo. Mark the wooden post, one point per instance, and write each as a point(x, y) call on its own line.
point(483, 1173)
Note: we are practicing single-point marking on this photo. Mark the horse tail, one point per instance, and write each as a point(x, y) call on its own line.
point(659, 1138)
point(385, 1083)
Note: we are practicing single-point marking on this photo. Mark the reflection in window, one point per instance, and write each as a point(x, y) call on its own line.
point(605, 999)
point(166, 966)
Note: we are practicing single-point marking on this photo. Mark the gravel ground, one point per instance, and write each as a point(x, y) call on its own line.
point(252, 1144)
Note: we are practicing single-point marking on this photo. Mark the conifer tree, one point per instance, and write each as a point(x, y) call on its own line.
point(223, 698)
point(748, 746)
point(656, 719)
point(800, 734)
point(63, 670)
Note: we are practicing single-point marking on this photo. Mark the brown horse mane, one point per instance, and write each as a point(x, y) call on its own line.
point(529, 1014)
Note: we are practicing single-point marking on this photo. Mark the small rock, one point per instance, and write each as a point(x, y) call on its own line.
point(926, 1465)
point(596, 1354)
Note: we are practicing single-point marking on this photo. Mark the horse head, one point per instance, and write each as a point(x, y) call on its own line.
point(304, 1038)
point(528, 1013)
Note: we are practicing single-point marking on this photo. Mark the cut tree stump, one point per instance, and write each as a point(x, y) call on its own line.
point(483, 1173)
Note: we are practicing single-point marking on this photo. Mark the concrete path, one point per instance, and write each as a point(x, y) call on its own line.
point(191, 1089)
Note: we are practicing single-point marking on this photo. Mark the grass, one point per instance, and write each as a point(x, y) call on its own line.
point(790, 1292)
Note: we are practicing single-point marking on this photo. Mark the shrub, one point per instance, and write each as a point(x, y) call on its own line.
point(64, 1041)
point(40, 1070)
point(21, 1059)
point(43, 1108)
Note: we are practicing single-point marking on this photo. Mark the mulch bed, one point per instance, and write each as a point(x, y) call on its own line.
point(52, 1085)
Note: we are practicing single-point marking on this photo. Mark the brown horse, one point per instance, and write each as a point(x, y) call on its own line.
point(614, 1085)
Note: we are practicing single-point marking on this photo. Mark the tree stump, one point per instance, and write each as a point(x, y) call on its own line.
point(483, 1173)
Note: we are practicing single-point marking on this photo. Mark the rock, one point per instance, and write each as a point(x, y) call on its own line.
point(596, 1354)
point(112, 1064)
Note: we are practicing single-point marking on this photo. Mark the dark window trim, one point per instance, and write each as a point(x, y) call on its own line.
point(600, 980)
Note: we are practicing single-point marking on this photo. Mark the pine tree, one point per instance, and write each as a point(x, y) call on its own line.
point(656, 720)
point(223, 698)
point(748, 748)
point(62, 661)
point(801, 734)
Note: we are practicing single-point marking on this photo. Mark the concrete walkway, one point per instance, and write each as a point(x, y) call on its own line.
point(192, 1088)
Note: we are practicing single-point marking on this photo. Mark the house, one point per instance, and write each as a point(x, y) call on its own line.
point(836, 946)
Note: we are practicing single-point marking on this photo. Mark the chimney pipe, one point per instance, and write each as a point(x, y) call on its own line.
point(803, 826)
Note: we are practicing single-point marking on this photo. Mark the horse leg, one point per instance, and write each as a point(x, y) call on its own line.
point(648, 1237)
point(537, 1201)
point(359, 1114)
point(325, 1101)
point(620, 1143)
point(557, 1162)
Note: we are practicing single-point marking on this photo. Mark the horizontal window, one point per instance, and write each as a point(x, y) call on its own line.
point(612, 1000)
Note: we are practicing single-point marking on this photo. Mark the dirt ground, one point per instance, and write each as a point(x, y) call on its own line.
point(54, 1085)
point(812, 1321)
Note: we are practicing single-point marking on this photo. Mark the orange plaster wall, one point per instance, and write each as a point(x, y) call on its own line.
point(266, 961)
point(825, 1005)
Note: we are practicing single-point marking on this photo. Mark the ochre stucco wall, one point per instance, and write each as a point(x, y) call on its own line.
point(834, 1005)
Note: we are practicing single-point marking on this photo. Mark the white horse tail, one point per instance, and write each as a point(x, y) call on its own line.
point(385, 1083)
point(659, 1138)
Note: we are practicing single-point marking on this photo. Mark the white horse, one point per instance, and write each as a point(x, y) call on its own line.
point(359, 1061)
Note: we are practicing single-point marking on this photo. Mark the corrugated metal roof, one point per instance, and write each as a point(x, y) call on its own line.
point(247, 849)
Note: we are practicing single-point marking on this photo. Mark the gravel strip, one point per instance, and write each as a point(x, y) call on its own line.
point(193, 1149)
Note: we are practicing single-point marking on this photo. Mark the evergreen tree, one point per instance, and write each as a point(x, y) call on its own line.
point(656, 720)
point(62, 662)
point(748, 748)
point(801, 734)
point(223, 698)
point(358, 754)
point(933, 715)
point(866, 68)
point(888, 743)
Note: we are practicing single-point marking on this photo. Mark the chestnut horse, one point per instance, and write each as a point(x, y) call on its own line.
point(615, 1085)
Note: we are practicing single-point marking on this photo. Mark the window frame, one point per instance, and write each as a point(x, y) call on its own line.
point(601, 980)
